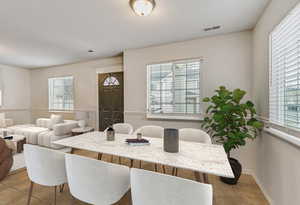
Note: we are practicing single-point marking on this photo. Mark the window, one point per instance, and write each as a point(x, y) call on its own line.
point(111, 81)
point(61, 93)
point(285, 71)
point(174, 90)
point(0, 98)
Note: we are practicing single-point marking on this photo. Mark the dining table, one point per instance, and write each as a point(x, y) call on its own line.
point(197, 157)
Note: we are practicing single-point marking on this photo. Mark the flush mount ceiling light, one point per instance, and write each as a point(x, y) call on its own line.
point(142, 7)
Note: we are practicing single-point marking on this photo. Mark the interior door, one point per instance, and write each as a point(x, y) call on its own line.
point(111, 99)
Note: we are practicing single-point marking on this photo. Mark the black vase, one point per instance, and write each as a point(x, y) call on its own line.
point(237, 171)
point(171, 140)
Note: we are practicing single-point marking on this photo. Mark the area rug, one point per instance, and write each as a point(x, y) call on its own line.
point(19, 162)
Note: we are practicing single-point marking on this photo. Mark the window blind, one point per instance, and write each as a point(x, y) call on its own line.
point(174, 88)
point(284, 99)
point(61, 93)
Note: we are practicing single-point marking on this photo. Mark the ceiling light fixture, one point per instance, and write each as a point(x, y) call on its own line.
point(142, 7)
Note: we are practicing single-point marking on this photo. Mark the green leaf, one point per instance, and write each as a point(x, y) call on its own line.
point(258, 124)
point(206, 99)
point(238, 95)
point(249, 104)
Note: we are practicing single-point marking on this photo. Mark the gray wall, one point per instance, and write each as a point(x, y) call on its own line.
point(227, 61)
point(278, 166)
point(15, 83)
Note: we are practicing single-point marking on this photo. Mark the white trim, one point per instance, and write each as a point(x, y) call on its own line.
point(174, 117)
point(269, 199)
point(101, 70)
point(284, 136)
point(110, 69)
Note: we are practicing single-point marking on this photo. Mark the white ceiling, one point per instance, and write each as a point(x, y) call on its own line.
point(39, 33)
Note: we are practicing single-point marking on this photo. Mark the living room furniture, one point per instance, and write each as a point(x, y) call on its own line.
point(151, 131)
point(197, 157)
point(4, 122)
point(44, 167)
point(123, 128)
point(81, 130)
point(96, 182)
point(43, 133)
point(119, 128)
point(82, 117)
point(6, 159)
point(148, 188)
point(194, 135)
point(16, 143)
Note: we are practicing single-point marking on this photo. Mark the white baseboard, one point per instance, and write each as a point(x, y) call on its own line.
point(251, 172)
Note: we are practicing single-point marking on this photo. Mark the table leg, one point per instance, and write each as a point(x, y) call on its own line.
point(54, 195)
point(164, 168)
point(99, 156)
point(61, 188)
point(198, 177)
point(131, 163)
point(205, 178)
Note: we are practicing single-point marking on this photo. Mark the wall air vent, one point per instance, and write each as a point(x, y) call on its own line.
point(212, 28)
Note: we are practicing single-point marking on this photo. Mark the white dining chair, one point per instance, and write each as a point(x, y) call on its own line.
point(96, 182)
point(194, 135)
point(120, 128)
point(150, 131)
point(44, 167)
point(123, 128)
point(148, 188)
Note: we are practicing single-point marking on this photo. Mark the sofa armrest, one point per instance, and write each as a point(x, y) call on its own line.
point(9, 122)
point(64, 128)
point(43, 122)
point(6, 123)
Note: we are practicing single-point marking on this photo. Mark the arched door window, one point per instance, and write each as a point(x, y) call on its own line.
point(111, 81)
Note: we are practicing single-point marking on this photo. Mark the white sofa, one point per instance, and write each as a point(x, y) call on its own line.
point(4, 122)
point(40, 134)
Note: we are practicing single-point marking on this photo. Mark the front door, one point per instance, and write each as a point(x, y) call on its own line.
point(111, 99)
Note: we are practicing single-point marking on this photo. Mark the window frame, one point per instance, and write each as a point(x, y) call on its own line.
point(175, 116)
point(274, 123)
point(73, 93)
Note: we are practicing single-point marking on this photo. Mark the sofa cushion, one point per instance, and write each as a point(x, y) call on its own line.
point(2, 123)
point(65, 128)
point(30, 132)
point(43, 122)
point(45, 139)
point(55, 119)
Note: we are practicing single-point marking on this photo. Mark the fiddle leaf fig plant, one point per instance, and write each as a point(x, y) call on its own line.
point(229, 120)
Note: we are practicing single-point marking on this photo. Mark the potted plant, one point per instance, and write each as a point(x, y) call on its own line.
point(231, 122)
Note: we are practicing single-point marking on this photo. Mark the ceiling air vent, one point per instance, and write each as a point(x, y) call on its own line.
point(212, 28)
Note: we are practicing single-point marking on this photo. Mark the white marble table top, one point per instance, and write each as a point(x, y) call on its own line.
point(204, 158)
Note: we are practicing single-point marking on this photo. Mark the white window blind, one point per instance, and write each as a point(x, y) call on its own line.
point(174, 90)
point(61, 93)
point(284, 92)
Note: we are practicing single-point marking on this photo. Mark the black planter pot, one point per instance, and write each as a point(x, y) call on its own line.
point(237, 170)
